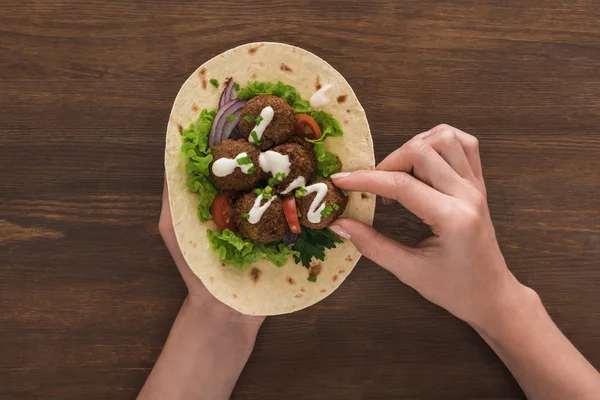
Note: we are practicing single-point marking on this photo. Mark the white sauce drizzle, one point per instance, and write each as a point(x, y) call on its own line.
point(296, 183)
point(314, 211)
point(274, 162)
point(318, 99)
point(225, 166)
point(266, 114)
point(257, 211)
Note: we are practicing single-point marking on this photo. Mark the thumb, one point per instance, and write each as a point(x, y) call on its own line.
point(397, 258)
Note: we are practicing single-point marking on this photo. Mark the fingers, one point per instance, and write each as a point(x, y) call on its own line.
point(445, 142)
point(420, 199)
point(418, 157)
point(469, 143)
point(391, 255)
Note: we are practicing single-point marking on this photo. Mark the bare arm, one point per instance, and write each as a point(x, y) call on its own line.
point(209, 342)
point(544, 362)
point(437, 176)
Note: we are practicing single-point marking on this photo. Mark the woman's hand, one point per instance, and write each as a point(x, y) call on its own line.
point(437, 176)
point(209, 343)
point(198, 296)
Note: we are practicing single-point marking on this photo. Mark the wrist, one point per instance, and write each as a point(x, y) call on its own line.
point(222, 318)
point(513, 306)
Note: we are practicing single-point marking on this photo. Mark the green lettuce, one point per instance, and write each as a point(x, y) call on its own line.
point(241, 253)
point(195, 150)
point(279, 89)
point(327, 162)
point(328, 124)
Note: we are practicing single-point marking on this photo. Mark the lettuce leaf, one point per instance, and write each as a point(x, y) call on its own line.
point(279, 89)
point(207, 191)
point(241, 253)
point(328, 124)
point(195, 150)
point(327, 162)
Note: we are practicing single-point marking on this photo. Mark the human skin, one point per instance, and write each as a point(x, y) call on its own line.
point(437, 175)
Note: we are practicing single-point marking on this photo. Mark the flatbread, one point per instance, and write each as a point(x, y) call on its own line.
point(265, 289)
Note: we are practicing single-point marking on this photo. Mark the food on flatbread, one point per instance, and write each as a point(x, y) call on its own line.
point(250, 197)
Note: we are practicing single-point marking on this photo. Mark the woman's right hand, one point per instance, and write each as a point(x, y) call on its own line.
point(437, 176)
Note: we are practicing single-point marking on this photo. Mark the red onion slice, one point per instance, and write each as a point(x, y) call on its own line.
point(228, 93)
point(220, 122)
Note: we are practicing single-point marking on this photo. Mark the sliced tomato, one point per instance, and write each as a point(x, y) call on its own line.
point(222, 211)
point(307, 127)
point(291, 214)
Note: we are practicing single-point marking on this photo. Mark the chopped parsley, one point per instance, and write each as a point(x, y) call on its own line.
point(236, 86)
point(249, 118)
point(299, 213)
point(230, 117)
point(335, 207)
point(251, 170)
point(326, 212)
point(258, 192)
point(245, 215)
point(268, 190)
point(312, 278)
point(259, 119)
point(311, 243)
point(255, 137)
point(214, 82)
point(244, 160)
point(300, 192)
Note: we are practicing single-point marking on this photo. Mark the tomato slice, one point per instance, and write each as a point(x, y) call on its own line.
point(222, 211)
point(291, 215)
point(307, 127)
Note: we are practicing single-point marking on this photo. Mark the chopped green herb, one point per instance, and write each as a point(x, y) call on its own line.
point(336, 207)
point(312, 278)
point(259, 119)
point(255, 137)
point(251, 170)
point(268, 190)
point(214, 82)
point(236, 86)
point(299, 213)
point(326, 212)
point(245, 215)
point(279, 177)
point(258, 192)
point(244, 160)
point(249, 118)
point(267, 196)
point(230, 117)
point(300, 192)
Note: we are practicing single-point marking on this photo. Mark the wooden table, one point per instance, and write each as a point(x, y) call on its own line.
point(88, 291)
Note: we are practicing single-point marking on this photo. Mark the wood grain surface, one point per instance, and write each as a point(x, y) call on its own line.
point(88, 292)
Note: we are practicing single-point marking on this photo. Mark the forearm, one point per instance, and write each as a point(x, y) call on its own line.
point(203, 356)
point(540, 357)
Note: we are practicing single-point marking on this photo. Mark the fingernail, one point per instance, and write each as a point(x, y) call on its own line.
point(339, 231)
point(339, 175)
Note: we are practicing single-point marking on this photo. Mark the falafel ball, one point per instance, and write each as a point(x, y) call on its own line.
point(281, 127)
point(335, 204)
point(272, 225)
point(237, 180)
point(298, 140)
point(302, 163)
